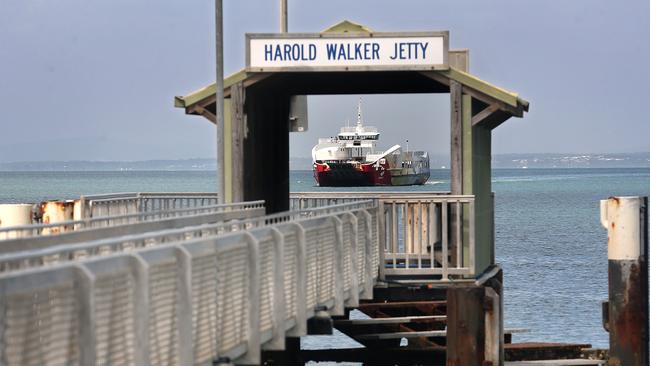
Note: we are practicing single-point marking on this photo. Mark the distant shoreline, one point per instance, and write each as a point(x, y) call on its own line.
point(499, 161)
point(291, 170)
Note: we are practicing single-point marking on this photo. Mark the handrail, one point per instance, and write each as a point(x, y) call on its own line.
point(78, 236)
point(107, 219)
point(61, 227)
point(101, 246)
point(191, 301)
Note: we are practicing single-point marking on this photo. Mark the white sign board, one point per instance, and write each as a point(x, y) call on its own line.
point(354, 52)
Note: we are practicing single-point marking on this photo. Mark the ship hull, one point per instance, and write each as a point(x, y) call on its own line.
point(343, 179)
point(409, 177)
point(349, 175)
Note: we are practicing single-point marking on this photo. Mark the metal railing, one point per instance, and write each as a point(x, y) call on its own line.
point(127, 203)
point(60, 227)
point(170, 220)
point(422, 233)
point(189, 302)
point(20, 260)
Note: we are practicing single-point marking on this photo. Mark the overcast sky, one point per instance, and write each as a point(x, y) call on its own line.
point(95, 79)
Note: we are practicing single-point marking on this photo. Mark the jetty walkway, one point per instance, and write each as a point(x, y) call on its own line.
point(176, 279)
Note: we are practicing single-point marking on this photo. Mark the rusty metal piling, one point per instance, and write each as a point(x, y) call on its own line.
point(626, 221)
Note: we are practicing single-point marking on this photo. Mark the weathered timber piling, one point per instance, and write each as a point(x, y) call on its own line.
point(626, 220)
point(475, 322)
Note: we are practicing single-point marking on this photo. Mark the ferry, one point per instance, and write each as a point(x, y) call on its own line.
point(351, 159)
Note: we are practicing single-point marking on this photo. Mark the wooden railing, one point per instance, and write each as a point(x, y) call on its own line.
point(423, 234)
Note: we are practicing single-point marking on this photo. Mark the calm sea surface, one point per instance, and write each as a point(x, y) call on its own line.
point(549, 240)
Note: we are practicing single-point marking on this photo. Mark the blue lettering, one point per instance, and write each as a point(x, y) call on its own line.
point(375, 51)
point(366, 51)
point(287, 52)
point(394, 56)
point(342, 52)
point(268, 52)
point(409, 50)
point(357, 51)
point(278, 53)
point(312, 52)
point(424, 49)
point(295, 52)
point(331, 51)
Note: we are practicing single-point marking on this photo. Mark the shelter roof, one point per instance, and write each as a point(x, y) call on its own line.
point(508, 102)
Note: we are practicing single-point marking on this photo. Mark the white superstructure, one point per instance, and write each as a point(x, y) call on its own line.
point(351, 144)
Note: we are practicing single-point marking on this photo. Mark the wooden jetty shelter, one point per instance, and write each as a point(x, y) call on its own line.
point(201, 279)
point(257, 127)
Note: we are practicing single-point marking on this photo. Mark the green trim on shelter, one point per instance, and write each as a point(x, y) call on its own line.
point(473, 82)
point(209, 91)
point(466, 79)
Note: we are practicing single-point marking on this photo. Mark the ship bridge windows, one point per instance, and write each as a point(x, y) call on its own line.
point(357, 137)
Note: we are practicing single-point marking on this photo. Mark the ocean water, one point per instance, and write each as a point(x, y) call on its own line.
point(548, 236)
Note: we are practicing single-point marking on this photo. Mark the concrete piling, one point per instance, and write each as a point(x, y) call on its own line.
point(626, 221)
point(14, 215)
point(57, 211)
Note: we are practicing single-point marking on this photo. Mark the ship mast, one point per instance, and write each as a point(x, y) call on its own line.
point(359, 114)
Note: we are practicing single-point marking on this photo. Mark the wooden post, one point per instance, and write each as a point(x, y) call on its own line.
point(475, 322)
point(265, 162)
point(456, 96)
point(410, 247)
point(465, 326)
point(227, 147)
point(218, 4)
point(456, 163)
point(237, 101)
point(476, 179)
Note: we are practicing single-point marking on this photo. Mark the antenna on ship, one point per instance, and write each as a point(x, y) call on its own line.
point(359, 114)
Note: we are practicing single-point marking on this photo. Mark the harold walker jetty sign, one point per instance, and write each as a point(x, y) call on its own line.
point(347, 51)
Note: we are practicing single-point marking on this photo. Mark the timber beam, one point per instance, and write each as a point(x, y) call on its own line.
point(200, 110)
point(514, 107)
point(491, 117)
point(205, 99)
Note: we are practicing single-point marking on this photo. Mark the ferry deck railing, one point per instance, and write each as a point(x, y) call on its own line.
point(191, 301)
